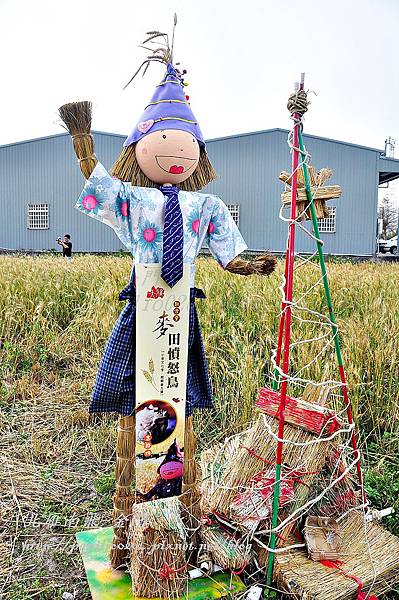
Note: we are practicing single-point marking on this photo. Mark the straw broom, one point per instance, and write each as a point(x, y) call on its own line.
point(76, 117)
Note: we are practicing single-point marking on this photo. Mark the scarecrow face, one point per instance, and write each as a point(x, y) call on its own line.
point(168, 156)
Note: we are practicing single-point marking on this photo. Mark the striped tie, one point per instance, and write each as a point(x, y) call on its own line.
point(172, 261)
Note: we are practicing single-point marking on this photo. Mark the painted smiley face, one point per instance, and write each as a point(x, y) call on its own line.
point(180, 164)
point(168, 156)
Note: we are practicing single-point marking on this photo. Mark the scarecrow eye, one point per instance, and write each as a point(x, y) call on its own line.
point(194, 140)
point(164, 136)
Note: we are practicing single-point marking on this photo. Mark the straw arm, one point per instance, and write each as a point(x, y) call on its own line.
point(264, 264)
point(76, 117)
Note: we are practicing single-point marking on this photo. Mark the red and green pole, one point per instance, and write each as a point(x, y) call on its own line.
point(284, 335)
point(285, 339)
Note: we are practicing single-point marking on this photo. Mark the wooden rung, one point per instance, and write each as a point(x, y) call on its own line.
point(328, 192)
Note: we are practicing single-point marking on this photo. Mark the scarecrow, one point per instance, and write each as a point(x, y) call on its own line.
point(151, 200)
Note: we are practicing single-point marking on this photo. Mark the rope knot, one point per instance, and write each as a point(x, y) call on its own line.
point(167, 572)
point(298, 103)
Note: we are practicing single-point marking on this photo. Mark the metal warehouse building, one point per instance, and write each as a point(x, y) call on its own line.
point(40, 181)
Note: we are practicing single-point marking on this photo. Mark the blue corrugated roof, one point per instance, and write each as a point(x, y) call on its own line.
point(395, 161)
point(389, 164)
point(309, 135)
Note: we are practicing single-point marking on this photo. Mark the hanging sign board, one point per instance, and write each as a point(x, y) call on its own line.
point(162, 324)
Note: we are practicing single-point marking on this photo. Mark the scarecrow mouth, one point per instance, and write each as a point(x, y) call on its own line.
point(175, 164)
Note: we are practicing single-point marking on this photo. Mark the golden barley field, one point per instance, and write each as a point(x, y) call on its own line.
point(56, 463)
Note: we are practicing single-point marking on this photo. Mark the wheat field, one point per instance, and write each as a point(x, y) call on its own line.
point(56, 463)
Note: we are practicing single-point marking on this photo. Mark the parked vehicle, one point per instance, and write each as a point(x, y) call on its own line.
point(388, 245)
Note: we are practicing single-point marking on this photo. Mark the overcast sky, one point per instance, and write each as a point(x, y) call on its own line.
point(242, 60)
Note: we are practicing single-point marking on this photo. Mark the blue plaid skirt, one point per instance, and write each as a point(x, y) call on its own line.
point(114, 390)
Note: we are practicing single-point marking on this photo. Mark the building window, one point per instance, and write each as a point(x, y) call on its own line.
point(38, 216)
point(328, 225)
point(234, 210)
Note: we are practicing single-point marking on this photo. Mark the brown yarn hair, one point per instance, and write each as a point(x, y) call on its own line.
point(126, 168)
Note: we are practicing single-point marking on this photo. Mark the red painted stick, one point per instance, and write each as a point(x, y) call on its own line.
point(288, 292)
point(276, 380)
point(286, 334)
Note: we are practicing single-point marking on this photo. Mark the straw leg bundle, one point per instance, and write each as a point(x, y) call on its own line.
point(158, 550)
point(77, 119)
point(124, 495)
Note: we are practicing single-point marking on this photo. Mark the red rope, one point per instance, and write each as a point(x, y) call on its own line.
point(167, 572)
point(252, 453)
point(269, 462)
point(222, 527)
point(239, 571)
point(336, 564)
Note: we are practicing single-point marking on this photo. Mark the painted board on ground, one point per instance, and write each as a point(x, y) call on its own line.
point(107, 583)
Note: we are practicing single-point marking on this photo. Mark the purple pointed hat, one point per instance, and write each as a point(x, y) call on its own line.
point(168, 109)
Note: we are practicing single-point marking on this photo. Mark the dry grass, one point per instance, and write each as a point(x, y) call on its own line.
point(56, 463)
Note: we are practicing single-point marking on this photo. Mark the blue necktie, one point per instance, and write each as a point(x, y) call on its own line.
point(172, 261)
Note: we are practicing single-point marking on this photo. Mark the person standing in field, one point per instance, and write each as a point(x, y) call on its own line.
point(66, 247)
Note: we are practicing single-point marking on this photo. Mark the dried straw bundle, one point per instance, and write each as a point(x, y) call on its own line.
point(208, 458)
point(127, 168)
point(157, 541)
point(323, 538)
point(124, 496)
point(77, 118)
point(256, 454)
point(320, 196)
point(317, 394)
point(315, 179)
point(253, 506)
point(228, 551)
point(345, 495)
point(368, 551)
point(214, 463)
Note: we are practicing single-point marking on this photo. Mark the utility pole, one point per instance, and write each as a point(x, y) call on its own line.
point(390, 147)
